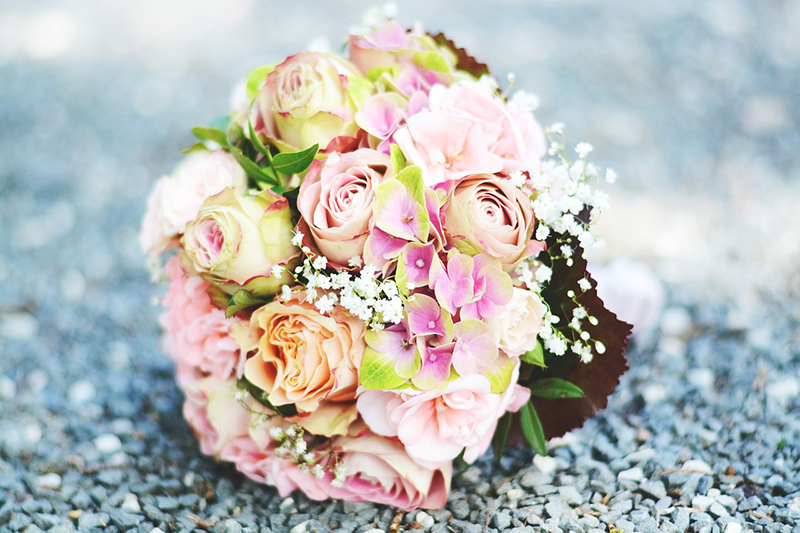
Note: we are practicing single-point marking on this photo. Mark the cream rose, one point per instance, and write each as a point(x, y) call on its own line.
point(303, 358)
point(214, 414)
point(311, 98)
point(235, 241)
point(176, 199)
point(489, 214)
point(518, 322)
point(336, 198)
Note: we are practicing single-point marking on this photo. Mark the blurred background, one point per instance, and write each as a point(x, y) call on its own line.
point(694, 104)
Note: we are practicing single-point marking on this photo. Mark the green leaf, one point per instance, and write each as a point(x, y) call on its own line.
point(262, 397)
point(261, 175)
point(535, 356)
point(377, 371)
point(411, 177)
point(499, 372)
point(555, 388)
point(263, 150)
point(211, 134)
point(235, 133)
point(434, 61)
point(295, 162)
point(221, 122)
point(256, 79)
point(196, 147)
point(241, 301)
point(532, 428)
point(500, 436)
point(397, 158)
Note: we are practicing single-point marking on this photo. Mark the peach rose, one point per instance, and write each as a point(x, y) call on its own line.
point(303, 358)
point(489, 214)
point(176, 199)
point(196, 332)
point(434, 426)
point(379, 470)
point(336, 198)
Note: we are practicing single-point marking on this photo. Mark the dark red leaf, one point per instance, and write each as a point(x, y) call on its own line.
point(465, 61)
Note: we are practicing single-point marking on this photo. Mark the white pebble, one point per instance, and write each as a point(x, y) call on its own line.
point(425, 520)
point(733, 527)
point(81, 392)
point(784, 389)
point(107, 443)
point(702, 378)
point(641, 455)
point(713, 493)
point(545, 464)
point(794, 505)
point(675, 321)
point(654, 393)
point(696, 465)
point(49, 481)
point(32, 433)
point(8, 389)
point(37, 380)
point(514, 494)
point(121, 426)
point(156, 530)
point(702, 502)
point(632, 474)
point(299, 528)
point(188, 479)
point(73, 285)
point(287, 502)
point(18, 326)
point(131, 503)
point(374, 530)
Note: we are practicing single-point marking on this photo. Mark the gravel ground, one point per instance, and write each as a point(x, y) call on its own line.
point(693, 105)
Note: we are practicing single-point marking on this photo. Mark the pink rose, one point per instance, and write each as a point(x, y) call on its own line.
point(214, 414)
point(435, 426)
point(489, 214)
point(379, 470)
point(196, 332)
point(264, 466)
point(176, 199)
point(336, 198)
point(310, 99)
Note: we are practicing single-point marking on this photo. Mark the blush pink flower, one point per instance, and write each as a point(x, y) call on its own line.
point(196, 332)
point(214, 414)
point(336, 199)
point(511, 134)
point(435, 426)
point(379, 470)
point(475, 287)
point(176, 199)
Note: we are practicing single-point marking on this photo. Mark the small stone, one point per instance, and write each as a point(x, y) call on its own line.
point(18, 326)
point(793, 505)
point(502, 520)
point(702, 378)
point(545, 464)
point(570, 495)
point(82, 392)
point(625, 526)
point(654, 489)
point(107, 443)
point(8, 389)
point(232, 526)
point(156, 530)
point(287, 502)
point(654, 393)
point(702, 502)
point(46, 521)
point(124, 520)
point(131, 503)
point(733, 527)
point(460, 509)
point(90, 520)
point(19, 522)
point(717, 510)
point(697, 466)
point(568, 524)
point(425, 520)
point(624, 506)
point(299, 528)
point(50, 481)
point(681, 518)
point(632, 474)
point(669, 527)
point(554, 508)
point(513, 494)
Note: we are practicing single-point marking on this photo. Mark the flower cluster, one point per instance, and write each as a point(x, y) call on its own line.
point(371, 264)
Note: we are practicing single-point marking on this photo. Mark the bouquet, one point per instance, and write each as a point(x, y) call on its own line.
point(376, 268)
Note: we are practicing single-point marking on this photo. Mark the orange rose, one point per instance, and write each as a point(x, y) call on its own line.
point(303, 358)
